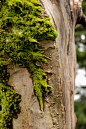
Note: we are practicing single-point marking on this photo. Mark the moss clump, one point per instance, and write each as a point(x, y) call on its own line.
point(22, 26)
point(9, 102)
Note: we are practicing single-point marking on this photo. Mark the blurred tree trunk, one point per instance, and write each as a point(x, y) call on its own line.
point(61, 70)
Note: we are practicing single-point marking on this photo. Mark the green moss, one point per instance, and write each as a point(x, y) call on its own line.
point(22, 26)
point(9, 102)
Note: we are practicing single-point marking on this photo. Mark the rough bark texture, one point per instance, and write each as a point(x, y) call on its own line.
point(59, 105)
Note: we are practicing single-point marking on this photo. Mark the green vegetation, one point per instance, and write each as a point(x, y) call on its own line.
point(22, 26)
point(79, 31)
point(84, 6)
point(80, 110)
point(9, 102)
point(80, 105)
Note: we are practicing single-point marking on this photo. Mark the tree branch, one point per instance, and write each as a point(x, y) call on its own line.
point(81, 20)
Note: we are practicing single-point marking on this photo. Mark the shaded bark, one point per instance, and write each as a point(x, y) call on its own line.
point(61, 70)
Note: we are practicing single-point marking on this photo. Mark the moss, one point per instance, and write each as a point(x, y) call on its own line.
point(9, 102)
point(22, 26)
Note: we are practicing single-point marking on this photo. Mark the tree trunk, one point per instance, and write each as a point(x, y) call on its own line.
point(61, 70)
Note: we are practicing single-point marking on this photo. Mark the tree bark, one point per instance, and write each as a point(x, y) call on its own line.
point(61, 70)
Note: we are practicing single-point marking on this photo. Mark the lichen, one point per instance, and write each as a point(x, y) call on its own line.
point(22, 27)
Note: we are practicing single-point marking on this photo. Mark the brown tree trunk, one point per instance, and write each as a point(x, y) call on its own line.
point(61, 70)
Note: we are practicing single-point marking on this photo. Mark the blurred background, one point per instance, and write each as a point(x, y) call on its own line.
point(80, 82)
